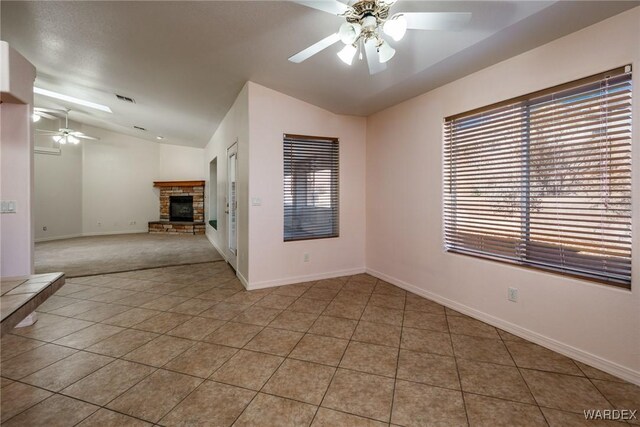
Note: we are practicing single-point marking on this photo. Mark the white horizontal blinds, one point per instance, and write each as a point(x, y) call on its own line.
point(545, 180)
point(311, 166)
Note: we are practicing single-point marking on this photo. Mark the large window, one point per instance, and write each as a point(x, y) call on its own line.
point(544, 180)
point(310, 187)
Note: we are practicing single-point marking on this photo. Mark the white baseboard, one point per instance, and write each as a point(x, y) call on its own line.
point(299, 279)
point(243, 280)
point(550, 343)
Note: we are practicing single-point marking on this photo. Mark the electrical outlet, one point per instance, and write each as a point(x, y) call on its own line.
point(306, 257)
point(44, 228)
point(99, 223)
point(512, 294)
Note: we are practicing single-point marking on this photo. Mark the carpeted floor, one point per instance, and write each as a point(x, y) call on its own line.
point(85, 256)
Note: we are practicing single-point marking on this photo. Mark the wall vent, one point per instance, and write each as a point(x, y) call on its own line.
point(125, 99)
point(140, 128)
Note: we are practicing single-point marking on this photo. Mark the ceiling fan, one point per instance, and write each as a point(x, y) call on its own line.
point(366, 23)
point(64, 135)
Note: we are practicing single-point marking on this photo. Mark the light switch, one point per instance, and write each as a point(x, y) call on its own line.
point(256, 201)
point(8, 206)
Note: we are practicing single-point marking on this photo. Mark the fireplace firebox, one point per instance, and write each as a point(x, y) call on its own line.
point(181, 208)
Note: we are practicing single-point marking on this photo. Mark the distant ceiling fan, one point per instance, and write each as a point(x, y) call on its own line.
point(367, 21)
point(63, 135)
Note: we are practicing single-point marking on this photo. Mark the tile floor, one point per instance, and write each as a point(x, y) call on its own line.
point(188, 346)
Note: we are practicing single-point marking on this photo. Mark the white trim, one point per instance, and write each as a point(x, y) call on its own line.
point(243, 280)
point(562, 348)
point(300, 279)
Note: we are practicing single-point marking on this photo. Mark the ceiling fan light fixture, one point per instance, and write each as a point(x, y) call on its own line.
point(72, 139)
point(347, 54)
point(349, 32)
point(385, 52)
point(35, 118)
point(396, 27)
point(59, 139)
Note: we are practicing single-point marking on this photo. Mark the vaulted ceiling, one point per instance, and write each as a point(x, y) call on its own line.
point(185, 62)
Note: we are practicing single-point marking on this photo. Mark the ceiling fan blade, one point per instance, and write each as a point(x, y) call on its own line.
point(315, 48)
point(372, 57)
point(436, 20)
point(46, 115)
point(50, 110)
point(92, 138)
point(47, 132)
point(330, 6)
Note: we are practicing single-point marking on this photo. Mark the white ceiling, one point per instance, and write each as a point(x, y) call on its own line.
point(185, 62)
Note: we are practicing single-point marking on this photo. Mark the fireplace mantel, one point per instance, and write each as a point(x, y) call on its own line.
point(178, 183)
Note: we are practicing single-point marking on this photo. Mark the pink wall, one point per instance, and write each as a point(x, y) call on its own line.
point(16, 163)
point(594, 323)
point(274, 262)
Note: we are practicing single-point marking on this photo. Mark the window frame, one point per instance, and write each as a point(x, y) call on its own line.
point(525, 102)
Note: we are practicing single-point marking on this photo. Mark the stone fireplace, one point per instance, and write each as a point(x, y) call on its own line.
point(181, 207)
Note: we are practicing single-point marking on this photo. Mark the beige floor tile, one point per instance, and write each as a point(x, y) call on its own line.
point(334, 327)
point(34, 360)
point(164, 303)
point(427, 368)
point(417, 303)
point(387, 301)
point(361, 287)
point(138, 299)
point(88, 336)
point(153, 397)
point(196, 328)
point(5, 382)
point(299, 380)
point(371, 358)
point(426, 341)
point(107, 418)
point(224, 311)
point(472, 327)
point(54, 331)
point(557, 418)
point(65, 372)
point(292, 290)
point(197, 410)
point(387, 288)
point(294, 321)
point(378, 333)
point(193, 306)
point(565, 392)
point(108, 382)
point(452, 312)
point(279, 302)
point(621, 395)
point(389, 316)
point(420, 404)
point(244, 297)
point(308, 305)
point(112, 296)
point(131, 317)
point(256, 315)
point(360, 394)
point(266, 410)
point(202, 359)
point(422, 320)
point(12, 345)
point(347, 295)
point(159, 351)
point(320, 349)
point(595, 373)
point(506, 336)
point(489, 412)
point(56, 411)
point(233, 334)
point(533, 356)
point(330, 418)
point(248, 369)
point(320, 293)
point(274, 341)
point(494, 380)
point(344, 309)
point(78, 307)
point(122, 343)
point(17, 397)
point(163, 322)
point(101, 313)
point(481, 349)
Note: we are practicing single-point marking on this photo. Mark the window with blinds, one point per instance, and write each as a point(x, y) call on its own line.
point(544, 180)
point(311, 166)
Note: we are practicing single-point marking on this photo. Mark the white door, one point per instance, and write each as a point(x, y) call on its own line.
point(232, 204)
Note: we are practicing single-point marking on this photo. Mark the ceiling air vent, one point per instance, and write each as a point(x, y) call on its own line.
point(140, 128)
point(125, 99)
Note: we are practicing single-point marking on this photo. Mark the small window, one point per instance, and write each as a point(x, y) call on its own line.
point(311, 166)
point(544, 180)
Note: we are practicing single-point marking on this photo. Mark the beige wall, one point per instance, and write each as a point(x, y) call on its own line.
point(595, 323)
point(233, 128)
point(273, 261)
